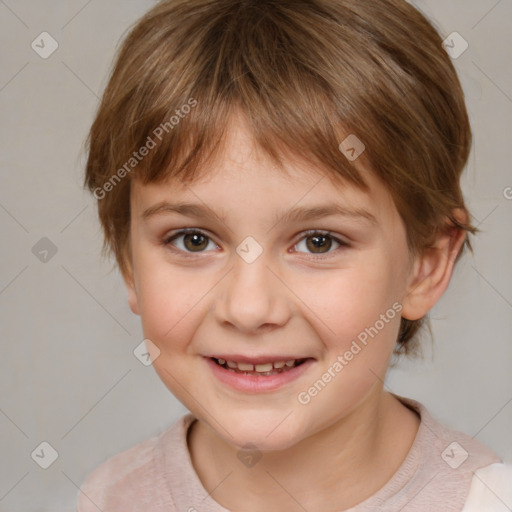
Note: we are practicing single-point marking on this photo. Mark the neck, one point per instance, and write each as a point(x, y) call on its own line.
point(349, 460)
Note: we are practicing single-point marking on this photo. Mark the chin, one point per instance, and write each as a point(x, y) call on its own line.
point(264, 431)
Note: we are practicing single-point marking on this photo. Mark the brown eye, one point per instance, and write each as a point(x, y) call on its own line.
point(319, 243)
point(316, 242)
point(189, 241)
point(195, 241)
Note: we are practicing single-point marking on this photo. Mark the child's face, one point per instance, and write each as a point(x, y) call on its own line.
point(198, 297)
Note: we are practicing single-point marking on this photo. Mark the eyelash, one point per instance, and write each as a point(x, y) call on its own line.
point(166, 242)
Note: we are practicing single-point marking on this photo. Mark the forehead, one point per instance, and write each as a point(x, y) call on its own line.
point(241, 176)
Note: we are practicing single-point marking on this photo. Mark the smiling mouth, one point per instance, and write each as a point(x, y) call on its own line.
point(264, 369)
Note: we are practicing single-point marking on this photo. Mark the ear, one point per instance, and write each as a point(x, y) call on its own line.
point(132, 294)
point(432, 270)
point(129, 281)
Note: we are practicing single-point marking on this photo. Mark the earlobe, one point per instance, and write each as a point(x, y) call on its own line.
point(132, 301)
point(129, 277)
point(132, 293)
point(431, 273)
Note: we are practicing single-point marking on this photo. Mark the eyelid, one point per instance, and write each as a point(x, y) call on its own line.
point(325, 232)
point(168, 238)
point(321, 256)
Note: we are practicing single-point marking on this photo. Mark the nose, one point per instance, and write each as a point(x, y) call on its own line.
point(252, 298)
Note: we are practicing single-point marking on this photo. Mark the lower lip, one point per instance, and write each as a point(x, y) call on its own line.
point(255, 383)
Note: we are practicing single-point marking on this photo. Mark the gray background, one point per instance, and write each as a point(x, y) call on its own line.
point(68, 375)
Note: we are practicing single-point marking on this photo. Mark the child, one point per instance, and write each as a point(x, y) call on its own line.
point(279, 183)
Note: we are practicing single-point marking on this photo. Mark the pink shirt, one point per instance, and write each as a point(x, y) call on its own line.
point(157, 475)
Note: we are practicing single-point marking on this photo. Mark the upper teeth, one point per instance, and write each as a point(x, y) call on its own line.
point(265, 367)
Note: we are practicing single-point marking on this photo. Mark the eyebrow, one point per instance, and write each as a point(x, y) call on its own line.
point(293, 215)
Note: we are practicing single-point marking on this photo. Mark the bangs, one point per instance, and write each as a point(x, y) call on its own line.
point(294, 111)
point(186, 150)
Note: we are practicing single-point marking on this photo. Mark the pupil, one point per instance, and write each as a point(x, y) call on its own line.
point(319, 242)
point(198, 241)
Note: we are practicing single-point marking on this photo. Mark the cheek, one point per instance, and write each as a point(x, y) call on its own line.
point(354, 299)
point(168, 297)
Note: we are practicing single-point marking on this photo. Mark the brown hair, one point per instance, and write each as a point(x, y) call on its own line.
point(306, 73)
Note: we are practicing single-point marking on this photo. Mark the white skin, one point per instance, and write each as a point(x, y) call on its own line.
point(348, 441)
